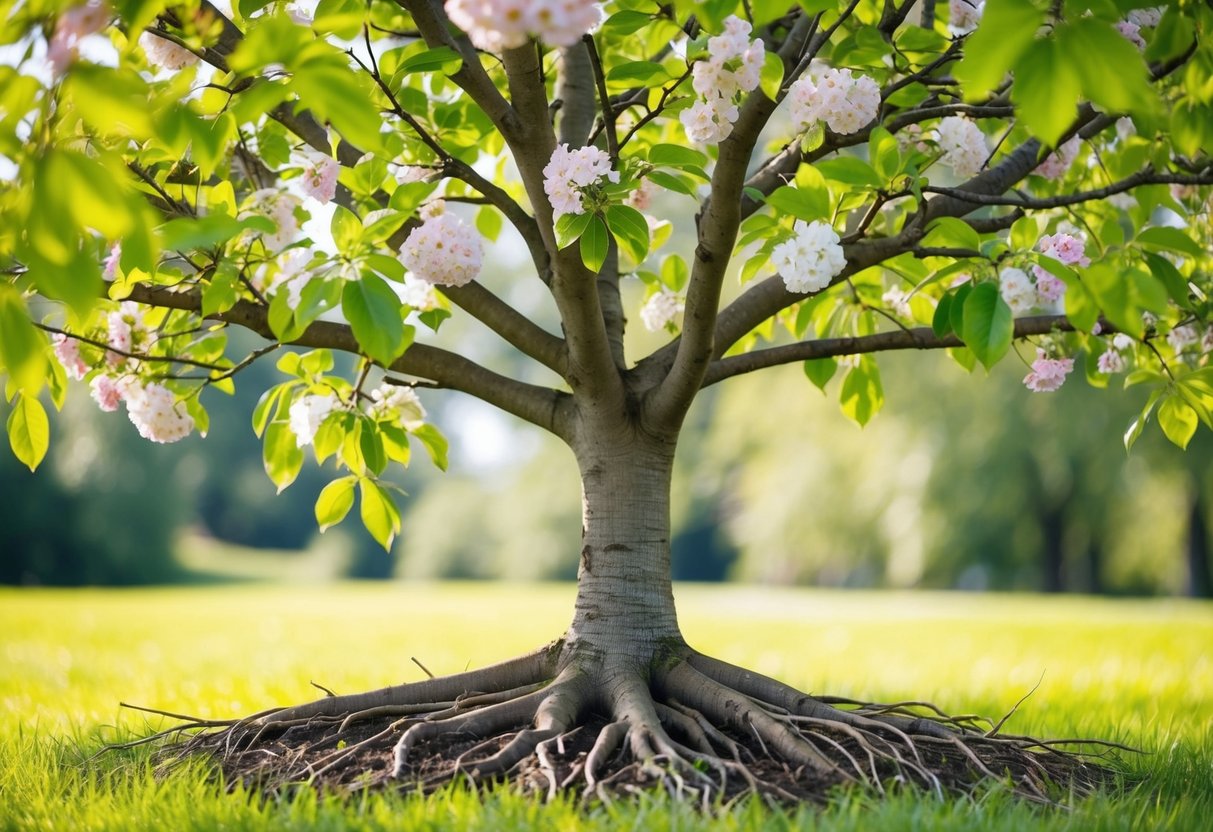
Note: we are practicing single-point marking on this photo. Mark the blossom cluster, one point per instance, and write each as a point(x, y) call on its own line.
point(963, 145)
point(388, 403)
point(287, 272)
point(964, 15)
point(73, 26)
point(319, 180)
point(163, 53)
point(1058, 162)
point(1048, 374)
point(442, 250)
point(733, 66)
point(497, 25)
point(810, 259)
point(661, 310)
point(845, 102)
point(569, 173)
point(279, 207)
point(153, 409)
point(1113, 360)
point(1068, 249)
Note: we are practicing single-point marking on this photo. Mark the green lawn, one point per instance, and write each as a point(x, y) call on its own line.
point(1139, 672)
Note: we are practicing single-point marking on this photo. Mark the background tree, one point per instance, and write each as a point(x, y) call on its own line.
point(911, 183)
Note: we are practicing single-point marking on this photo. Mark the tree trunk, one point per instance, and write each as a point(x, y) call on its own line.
point(625, 603)
point(1200, 567)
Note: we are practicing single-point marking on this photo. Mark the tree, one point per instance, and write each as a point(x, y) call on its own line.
point(908, 181)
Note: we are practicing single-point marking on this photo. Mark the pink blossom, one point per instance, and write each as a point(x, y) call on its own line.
point(320, 178)
point(496, 25)
point(1067, 248)
point(1111, 362)
point(106, 392)
point(1049, 291)
point(963, 145)
point(964, 15)
point(111, 262)
point(164, 53)
point(154, 410)
point(846, 103)
point(67, 350)
point(642, 197)
point(1131, 32)
point(1058, 162)
point(1048, 374)
point(569, 172)
point(442, 250)
point(74, 25)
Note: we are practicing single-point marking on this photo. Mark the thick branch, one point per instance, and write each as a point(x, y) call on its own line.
point(517, 329)
point(538, 405)
point(921, 338)
point(575, 93)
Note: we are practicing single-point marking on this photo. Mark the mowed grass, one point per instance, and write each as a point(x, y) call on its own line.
point(1139, 672)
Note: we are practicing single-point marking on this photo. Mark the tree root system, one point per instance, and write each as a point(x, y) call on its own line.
point(698, 728)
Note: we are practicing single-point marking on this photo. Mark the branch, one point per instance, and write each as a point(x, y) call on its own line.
point(436, 30)
point(540, 406)
point(1147, 176)
point(575, 94)
point(608, 114)
point(718, 222)
point(921, 338)
point(515, 328)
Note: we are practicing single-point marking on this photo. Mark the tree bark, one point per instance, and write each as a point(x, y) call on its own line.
point(625, 602)
point(1200, 565)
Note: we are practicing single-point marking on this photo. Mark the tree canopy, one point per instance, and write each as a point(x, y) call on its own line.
point(957, 178)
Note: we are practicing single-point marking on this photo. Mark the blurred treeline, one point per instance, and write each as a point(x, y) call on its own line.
point(962, 481)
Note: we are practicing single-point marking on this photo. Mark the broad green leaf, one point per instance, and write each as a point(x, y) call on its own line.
point(850, 170)
point(1046, 90)
point(630, 229)
point(186, 233)
point(281, 455)
point(346, 230)
point(941, 323)
point(22, 347)
point(807, 205)
point(379, 512)
point(862, 394)
point(820, 371)
point(1110, 69)
point(1007, 28)
point(626, 22)
point(29, 431)
point(1134, 431)
point(884, 153)
point(435, 445)
point(440, 59)
point(988, 324)
point(570, 227)
point(372, 448)
point(377, 318)
point(676, 156)
point(594, 243)
point(950, 232)
point(1166, 238)
point(770, 78)
point(1177, 420)
point(638, 74)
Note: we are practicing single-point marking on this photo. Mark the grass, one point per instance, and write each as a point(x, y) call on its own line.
point(1139, 672)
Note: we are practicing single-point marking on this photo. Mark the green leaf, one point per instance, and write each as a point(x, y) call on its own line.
point(1046, 90)
point(281, 455)
point(1110, 69)
point(29, 431)
point(220, 293)
point(803, 204)
point(594, 242)
point(1165, 271)
point(630, 229)
point(440, 59)
point(346, 230)
point(1177, 420)
point(570, 227)
point(957, 308)
point(22, 347)
point(638, 74)
point(335, 501)
point(1007, 28)
point(1124, 294)
point(372, 448)
point(988, 324)
point(884, 153)
point(862, 394)
point(820, 371)
point(626, 22)
point(377, 318)
point(1166, 238)
point(379, 513)
point(941, 324)
point(1138, 425)
point(850, 170)
point(770, 77)
point(950, 232)
point(676, 156)
point(435, 445)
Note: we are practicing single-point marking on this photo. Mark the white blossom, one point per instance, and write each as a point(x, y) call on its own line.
point(569, 172)
point(165, 54)
point(1017, 290)
point(497, 25)
point(963, 145)
point(660, 310)
point(154, 410)
point(733, 67)
point(846, 103)
point(811, 258)
point(398, 403)
point(306, 415)
point(442, 250)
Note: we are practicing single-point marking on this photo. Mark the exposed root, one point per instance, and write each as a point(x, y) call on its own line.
point(701, 729)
